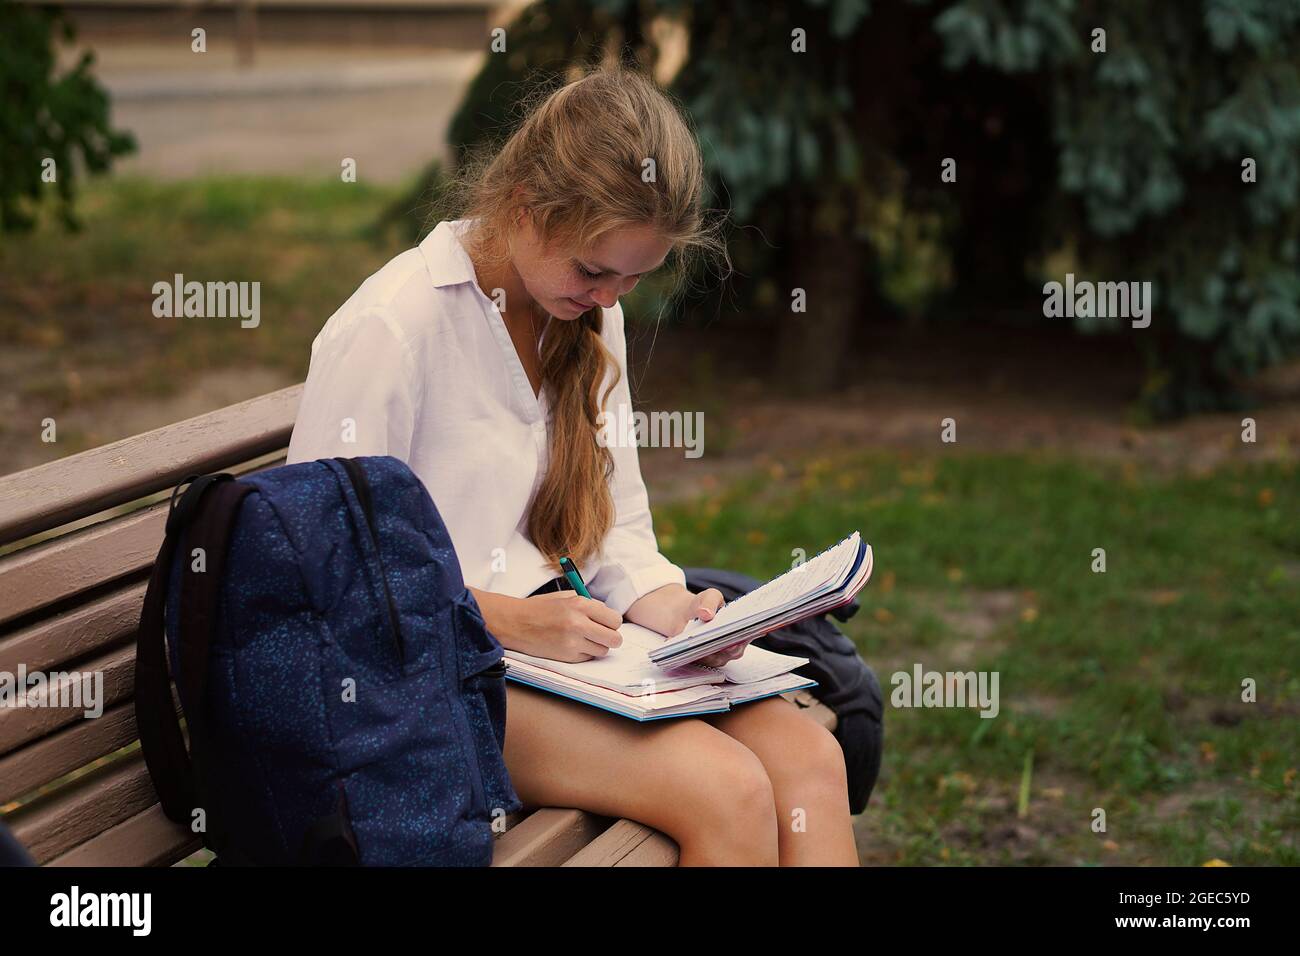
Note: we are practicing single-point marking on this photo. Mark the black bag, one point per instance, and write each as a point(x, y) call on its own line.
point(845, 683)
point(11, 851)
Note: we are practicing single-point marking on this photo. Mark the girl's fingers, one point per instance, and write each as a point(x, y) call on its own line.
point(707, 604)
point(722, 657)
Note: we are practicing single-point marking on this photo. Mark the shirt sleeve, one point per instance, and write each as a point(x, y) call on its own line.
point(631, 564)
point(361, 393)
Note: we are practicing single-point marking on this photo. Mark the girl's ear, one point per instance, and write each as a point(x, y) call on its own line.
point(521, 213)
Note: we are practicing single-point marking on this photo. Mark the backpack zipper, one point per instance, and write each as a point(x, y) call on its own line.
point(360, 484)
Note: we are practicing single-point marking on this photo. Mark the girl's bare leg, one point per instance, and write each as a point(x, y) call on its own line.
point(701, 786)
point(805, 764)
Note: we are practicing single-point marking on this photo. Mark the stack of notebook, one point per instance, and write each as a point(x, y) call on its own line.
point(649, 677)
point(625, 682)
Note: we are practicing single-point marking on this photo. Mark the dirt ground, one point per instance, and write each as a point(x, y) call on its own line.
point(1053, 393)
point(1062, 395)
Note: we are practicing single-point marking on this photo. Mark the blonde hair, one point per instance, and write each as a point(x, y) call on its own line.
point(576, 162)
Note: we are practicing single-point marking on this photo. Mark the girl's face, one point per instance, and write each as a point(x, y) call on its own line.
point(566, 284)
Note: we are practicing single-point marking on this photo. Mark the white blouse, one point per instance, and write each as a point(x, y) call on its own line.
point(418, 364)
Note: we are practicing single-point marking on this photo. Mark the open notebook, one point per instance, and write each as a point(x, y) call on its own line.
point(649, 676)
point(825, 582)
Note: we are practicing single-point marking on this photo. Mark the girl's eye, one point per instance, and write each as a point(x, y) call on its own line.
point(586, 272)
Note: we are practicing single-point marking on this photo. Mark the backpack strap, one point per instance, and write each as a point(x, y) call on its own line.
point(207, 509)
point(210, 529)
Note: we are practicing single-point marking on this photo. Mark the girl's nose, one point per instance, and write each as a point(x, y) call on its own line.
point(604, 297)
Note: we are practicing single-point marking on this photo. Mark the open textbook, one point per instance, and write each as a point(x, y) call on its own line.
point(649, 676)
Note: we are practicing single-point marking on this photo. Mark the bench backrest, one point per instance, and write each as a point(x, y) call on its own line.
point(79, 537)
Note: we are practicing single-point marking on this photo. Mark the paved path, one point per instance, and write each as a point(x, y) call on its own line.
point(296, 110)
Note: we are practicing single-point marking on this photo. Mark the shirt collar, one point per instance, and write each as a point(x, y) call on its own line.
point(444, 256)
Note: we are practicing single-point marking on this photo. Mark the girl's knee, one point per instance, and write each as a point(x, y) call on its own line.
point(727, 807)
point(815, 762)
point(741, 787)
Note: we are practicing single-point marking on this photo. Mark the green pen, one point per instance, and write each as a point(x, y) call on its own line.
point(575, 579)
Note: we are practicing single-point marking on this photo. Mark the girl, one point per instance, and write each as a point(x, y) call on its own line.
point(483, 359)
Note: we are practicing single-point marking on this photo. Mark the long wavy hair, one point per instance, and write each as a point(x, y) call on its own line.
point(576, 162)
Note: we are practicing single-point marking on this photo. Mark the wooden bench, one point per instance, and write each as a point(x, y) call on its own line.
point(77, 540)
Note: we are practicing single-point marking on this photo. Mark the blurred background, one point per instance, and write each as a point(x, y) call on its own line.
point(1164, 148)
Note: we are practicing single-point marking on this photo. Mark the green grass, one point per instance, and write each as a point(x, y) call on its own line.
point(1125, 686)
point(85, 299)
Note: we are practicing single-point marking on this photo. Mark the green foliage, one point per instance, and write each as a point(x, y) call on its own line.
point(47, 116)
point(1151, 136)
point(1130, 160)
point(988, 34)
point(844, 14)
point(767, 127)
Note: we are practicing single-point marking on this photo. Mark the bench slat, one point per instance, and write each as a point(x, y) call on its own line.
point(55, 641)
point(627, 843)
point(57, 571)
point(66, 750)
point(655, 850)
point(21, 725)
point(91, 481)
point(547, 837)
point(90, 805)
point(146, 839)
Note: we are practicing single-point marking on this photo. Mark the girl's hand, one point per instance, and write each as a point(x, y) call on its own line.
point(671, 608)
point(704, 606)
point(560, 625)
point(564, 626)
point(720, 658)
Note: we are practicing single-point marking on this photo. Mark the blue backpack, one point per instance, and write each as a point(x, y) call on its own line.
point(344, 700)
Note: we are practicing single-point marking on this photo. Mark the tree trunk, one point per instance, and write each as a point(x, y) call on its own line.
point(813, 346)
